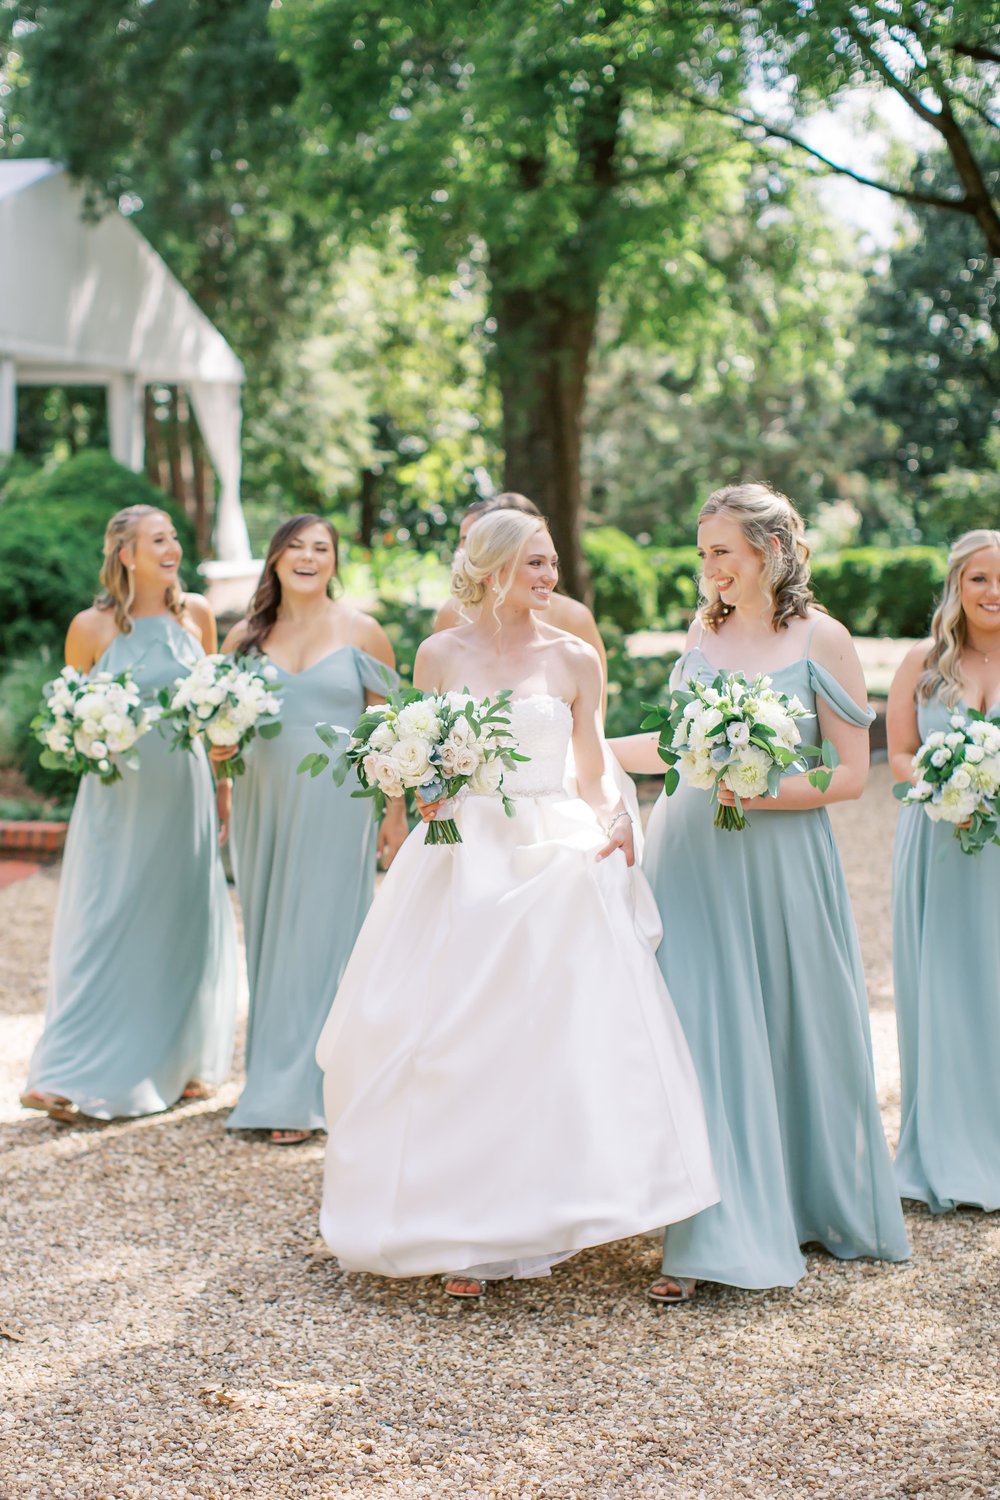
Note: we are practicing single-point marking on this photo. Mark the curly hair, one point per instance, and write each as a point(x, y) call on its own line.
point(949, 629)
point(763, 513)
point(116, 579)
point(266, 602)
point(497, 539)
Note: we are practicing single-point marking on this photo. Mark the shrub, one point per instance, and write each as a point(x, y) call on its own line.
point(881, 591)
point(632, 681)
point(20, 699)
point(677, 572)
point(51, 535)
point(406, 625)
point(623, 578)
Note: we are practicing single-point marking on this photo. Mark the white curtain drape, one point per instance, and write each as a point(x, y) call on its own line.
point(126, 428)
point(217, 407)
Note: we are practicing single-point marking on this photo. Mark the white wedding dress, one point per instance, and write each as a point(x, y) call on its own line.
point(506, 1078)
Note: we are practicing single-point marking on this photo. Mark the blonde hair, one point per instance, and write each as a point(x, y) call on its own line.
point(949, 629)
point(116, 578)
point(496, 539)
point(762, 513)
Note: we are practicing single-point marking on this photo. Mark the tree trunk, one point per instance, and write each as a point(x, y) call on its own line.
point(369, 497)
point(204, 495)
point(543, 344)
point(177, 488)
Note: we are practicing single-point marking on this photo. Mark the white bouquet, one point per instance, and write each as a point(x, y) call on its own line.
point(738, 734)
point(225, 701)
point(91, 724)
point(959, 779)
point(439, 744)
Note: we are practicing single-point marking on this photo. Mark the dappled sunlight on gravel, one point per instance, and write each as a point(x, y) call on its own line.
point(186, 1336)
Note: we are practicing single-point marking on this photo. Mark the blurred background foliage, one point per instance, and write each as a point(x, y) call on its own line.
point(398, 219)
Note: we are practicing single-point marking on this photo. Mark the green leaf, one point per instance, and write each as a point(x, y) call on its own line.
point(671, 781)
point(269, 731)
point(830, 755)
point(901, 789)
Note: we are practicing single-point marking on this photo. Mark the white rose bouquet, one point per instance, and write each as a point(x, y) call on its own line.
point(959, 779)
point(91, 724)
point(226, 701)
point(735, 733)
point(440, 744)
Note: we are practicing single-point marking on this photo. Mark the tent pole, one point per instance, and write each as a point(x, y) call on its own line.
point(8, 406)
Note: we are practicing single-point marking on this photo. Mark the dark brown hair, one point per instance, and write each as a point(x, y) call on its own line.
point(266, 602)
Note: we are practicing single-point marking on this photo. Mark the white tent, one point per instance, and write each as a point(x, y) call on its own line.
point(91, 303)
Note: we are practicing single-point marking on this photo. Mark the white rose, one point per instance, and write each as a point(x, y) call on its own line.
point(411, 758)
point(748, 777)
point(920, 791)
point(486, 778)
point(961, 779)
point(467, 761)
point(935, 739)
point(738, 735)
point(775, 717)
point(382, 737)
point(385, 775)
point(985, 777)
point(269, 672)
point(941, 757)
point(956, 721)
point(418, 719)
point(974, 754)
point(954, 740)
point(57, 740)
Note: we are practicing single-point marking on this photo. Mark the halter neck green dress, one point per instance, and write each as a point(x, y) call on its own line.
point(761, 956)
point(305, 870)
point(946, 965)
point(143, 977)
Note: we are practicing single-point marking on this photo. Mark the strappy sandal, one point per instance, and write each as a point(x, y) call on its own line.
point(464, 1288)
point(53, 1105)
point(196, 1090)
point(290, 1137)
point(685, 1288)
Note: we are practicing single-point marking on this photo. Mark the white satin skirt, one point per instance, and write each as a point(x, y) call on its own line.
point(506, 1080)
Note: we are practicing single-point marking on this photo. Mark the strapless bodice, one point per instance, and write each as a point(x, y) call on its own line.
point(542, 726)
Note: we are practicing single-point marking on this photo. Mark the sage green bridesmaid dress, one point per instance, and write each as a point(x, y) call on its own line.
point(946, 964)
point(761, 956)
point(305, 869)
point(144, 974)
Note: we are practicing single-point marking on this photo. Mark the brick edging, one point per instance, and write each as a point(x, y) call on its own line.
point(39, 837)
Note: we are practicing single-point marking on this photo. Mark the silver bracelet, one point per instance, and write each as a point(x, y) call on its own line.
point(617, 819)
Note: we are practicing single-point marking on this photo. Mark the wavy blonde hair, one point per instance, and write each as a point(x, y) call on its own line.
point(762, 513)
point(116, 578)
point(949, 632)
point(496, 540)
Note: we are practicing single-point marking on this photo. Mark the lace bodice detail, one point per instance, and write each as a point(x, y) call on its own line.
point(542, 726)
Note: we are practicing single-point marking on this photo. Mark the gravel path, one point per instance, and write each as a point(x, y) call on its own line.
point(185, 1338)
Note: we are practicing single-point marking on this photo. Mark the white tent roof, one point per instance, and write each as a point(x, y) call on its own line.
point(85, 301)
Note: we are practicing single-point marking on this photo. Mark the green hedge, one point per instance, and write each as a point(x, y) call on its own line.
point(881, 591)
point(51, 542)
point(623, 578)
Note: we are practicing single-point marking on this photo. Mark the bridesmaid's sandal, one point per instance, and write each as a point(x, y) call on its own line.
point(290, 1137)
point(196, 1090)
point(464, 1288)
point(669, 1290)
point(53, 1105)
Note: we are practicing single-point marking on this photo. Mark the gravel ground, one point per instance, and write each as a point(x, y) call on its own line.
point(184, 1337)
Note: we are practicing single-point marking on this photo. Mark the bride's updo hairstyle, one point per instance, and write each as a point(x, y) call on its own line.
point(949, 632)
point(762, 514)
point(495, 541)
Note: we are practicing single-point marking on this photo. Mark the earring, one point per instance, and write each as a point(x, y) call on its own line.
point(496, 588)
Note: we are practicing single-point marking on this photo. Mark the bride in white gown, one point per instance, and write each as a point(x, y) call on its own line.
point(506, 1079)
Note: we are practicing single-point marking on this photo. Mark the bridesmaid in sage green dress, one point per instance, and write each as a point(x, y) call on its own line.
point(946, 909)
point(759, 946)
point(305, 849)
point(144, 973)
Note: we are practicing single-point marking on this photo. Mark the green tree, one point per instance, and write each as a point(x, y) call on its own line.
point(547, 139)
point(940, 57)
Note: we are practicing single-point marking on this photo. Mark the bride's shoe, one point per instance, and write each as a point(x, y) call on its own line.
point(672, 1289)
point(465, 1288)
